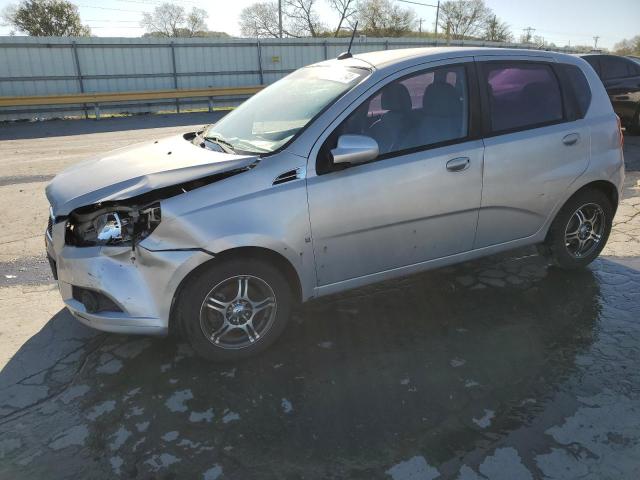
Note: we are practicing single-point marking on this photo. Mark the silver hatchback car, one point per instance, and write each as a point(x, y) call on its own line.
point(344, 173)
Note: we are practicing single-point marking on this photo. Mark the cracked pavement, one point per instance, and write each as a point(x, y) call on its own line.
point(502, 368)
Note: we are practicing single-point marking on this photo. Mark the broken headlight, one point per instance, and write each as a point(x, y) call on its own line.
point(118, 226)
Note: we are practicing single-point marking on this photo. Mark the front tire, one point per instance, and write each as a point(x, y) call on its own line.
point(580, 230)
point(234, 308)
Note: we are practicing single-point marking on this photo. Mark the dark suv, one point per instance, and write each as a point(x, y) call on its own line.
point(621, 78)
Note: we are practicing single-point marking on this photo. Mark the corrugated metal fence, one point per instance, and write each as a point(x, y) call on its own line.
point(49, 66)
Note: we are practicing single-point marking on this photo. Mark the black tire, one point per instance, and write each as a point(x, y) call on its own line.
point(633, 127)
point(199, 287)
point(555, 247)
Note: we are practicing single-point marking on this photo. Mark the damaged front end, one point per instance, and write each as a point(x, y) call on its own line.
point(118, 225)
point(128, 222)
point(107, 278)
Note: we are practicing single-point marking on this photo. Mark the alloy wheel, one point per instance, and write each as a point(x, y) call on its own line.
point(585, 230)
point(237, 312)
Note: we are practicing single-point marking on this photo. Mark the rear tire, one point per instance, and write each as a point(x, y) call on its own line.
point(580, 230)
point(634, 127)
point(234, 308)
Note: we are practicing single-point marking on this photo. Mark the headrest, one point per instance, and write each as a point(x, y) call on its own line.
point(396, 98)
point(535, 91)
point(441, 99)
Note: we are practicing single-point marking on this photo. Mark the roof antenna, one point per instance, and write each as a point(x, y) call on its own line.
point(348, 53)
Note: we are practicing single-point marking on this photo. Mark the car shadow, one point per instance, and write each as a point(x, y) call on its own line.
point(450, 361)
point(23, 130)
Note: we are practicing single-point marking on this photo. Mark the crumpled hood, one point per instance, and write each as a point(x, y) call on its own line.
point(135, 170)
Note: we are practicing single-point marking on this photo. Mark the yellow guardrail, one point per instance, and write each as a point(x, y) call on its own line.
point(97, 98)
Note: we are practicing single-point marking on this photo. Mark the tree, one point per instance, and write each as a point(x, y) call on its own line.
point(170, 20)
point(303, 18)
point(44, 18)
point(199, 34)
point(580, 48)
point(381, 18)
point(464, 18)
point(539, 41)
point(196, 21)
point(628, 47)
point(346, 10)
point(260, 20)
point(496, 30)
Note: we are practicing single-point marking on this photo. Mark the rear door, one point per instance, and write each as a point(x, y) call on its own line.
point(535, 147)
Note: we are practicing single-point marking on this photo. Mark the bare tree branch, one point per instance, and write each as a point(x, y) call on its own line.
point(303, 17)
point(346, 9)
point(260, 20)
point(464, 18)
point(196, 21)
point(497, 31)
point(381, 18)
point(165, 20)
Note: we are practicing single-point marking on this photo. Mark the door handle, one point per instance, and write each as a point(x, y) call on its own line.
point(571, 139)
point(458, 164)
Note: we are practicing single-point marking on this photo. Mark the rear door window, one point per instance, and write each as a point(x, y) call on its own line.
point(521, 95)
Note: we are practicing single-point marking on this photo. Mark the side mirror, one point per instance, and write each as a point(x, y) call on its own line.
point(355, 149)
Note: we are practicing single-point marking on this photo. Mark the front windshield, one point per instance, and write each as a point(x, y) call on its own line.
point(272, 117)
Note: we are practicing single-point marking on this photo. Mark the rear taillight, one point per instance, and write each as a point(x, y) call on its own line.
point(620, 132)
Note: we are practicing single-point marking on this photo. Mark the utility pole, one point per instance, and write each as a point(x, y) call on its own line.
point(437, 7)
point(420, 20)
point(280, 18)
point(595, 42)
point(527, 37)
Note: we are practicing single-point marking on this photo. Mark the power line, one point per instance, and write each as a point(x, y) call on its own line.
point(111, 21)
point(418, 3)
point(112, 9)
point(575, 34)
point(155, 2)
point(117, 27)
point(437, 7)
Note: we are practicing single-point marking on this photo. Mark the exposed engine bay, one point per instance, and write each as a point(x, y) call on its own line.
point(127, 222)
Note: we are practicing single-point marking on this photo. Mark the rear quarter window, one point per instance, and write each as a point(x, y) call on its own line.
point(577, 91)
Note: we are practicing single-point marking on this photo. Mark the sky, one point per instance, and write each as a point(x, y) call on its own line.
point(558, 21)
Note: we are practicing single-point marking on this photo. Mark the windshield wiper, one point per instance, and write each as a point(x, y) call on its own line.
point(242, 143)
point(222, 143)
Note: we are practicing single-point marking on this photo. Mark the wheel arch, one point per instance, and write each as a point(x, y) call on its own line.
point(608, 188)
point(261, 253)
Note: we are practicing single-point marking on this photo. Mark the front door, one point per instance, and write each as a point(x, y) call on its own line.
point(419, 200)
